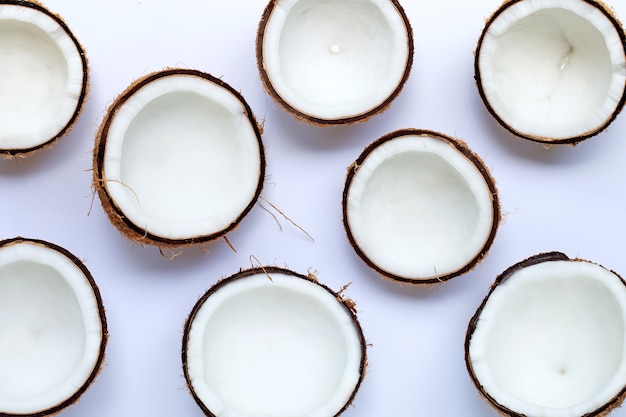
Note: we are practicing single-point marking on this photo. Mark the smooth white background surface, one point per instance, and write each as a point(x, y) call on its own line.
point(569, 199)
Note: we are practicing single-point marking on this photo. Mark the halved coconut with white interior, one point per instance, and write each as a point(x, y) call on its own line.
point(53, 328)
point(552, 71)
point(178, 159)
point(271, 342)
point(420, 207)
point(43, 78)
point(549, 339)
point(334, 61)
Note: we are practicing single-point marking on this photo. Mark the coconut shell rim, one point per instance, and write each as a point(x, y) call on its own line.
point(115, 214)
point(85, 87)
point(324, 122)
point(104, 333)
point(465, 150)
point(572, 140)
point(347, 304)
point(553, 256)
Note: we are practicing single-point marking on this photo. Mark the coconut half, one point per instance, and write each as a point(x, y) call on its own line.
point(334, 61)
point(271, 342)
point(552, 71)
point(420, 207)
point(43, 78)
point(178, 159)
point(549, 339)
point(53, 328)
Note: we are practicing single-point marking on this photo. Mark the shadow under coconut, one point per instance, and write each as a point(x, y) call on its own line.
point(518, 147)
point(40, 161)
point(172, 262)
point(77, 143)
point(151, 259)
point(318, 138)
point(19, 166)
point(456, 286)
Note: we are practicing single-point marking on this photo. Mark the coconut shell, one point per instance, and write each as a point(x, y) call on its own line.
point(348, 304)
point(463, 148)
point(610, 15)
point(533, 260)
point(103, 325)
point(10, 153)
point(311, 119)
point(115, 214)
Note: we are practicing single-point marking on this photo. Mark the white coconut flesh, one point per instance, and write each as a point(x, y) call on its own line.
point(273, 345)
point(553, 69)
point(335, 59)
point(550, 341)
point(182, 157)
point(42, 77)
point(418, 208)
point(50, 329)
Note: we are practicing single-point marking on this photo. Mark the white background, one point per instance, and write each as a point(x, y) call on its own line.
point(566, 198)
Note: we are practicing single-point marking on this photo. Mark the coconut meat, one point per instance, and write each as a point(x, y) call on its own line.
point(42, 77)
point(50, 329)
point(337, 58)
point(550, 341)
point(418, 208)
point(273, 345)
point(182, 158)
point(553, 69)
